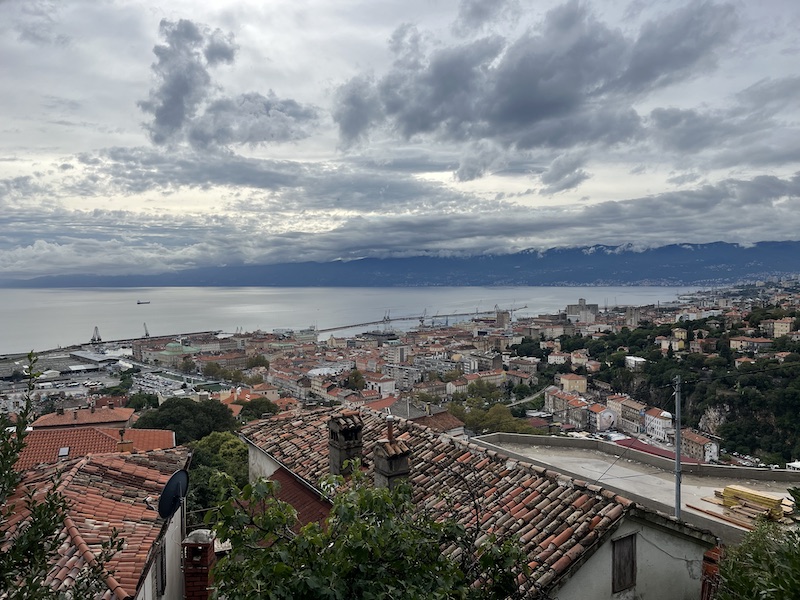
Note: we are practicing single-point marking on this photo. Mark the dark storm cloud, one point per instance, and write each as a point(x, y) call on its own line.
point(357, 108)
point(478, 159)
point(137, 170)
point(251, 119)
point(678, 45)
point(564, 173)
point(184, 79)
point(568, 83)
point(186, 105)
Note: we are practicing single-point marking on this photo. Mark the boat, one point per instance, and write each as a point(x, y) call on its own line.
point(143, 302)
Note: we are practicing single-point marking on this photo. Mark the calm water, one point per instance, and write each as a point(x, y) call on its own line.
point(48, 318)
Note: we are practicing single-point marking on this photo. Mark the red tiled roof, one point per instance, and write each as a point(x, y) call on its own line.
point(43, 445)
point(558, 520)
point(310, 507)
point(83, 417)
point(104, 492)
point(443, 421)
point(146, 439)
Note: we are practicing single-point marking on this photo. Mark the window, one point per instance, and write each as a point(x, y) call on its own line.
point(623, 574)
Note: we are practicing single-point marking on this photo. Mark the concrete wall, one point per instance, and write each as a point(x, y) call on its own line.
point(702, 470)
point(728, 534)
point(668, 567)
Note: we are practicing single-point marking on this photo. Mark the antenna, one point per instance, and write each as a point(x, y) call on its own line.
point(173, 494)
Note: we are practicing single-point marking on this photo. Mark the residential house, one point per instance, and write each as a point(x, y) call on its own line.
point(600, 418)
point(775, 328)
point(109, 416)
point(749, 344)
point(107, 492)
point(699, 447)
point(632, 416)
point(580, 541)
point(383, 384)
point(657, 424)
point(53, 445)
point(570, 382)
point(558, 358)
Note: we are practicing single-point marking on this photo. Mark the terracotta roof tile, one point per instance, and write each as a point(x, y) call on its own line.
point(105, 492)
point(557, 520)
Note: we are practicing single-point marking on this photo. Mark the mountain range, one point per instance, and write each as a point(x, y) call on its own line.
point(715, 263)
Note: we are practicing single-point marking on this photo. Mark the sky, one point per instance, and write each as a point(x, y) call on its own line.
point(146, 137)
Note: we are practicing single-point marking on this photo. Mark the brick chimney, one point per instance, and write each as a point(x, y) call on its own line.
point(124, 445)
point(345, 440)
point(198, 560)
point(392, 458)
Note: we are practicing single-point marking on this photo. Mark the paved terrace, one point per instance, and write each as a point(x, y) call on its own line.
point(643, 478)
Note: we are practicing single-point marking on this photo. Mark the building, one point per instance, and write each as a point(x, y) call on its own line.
point(570, 382)
point(54, 445)
point(699, 447)
point(658, 424)
point(109, 416)
point(109, 492)
point(580, 540)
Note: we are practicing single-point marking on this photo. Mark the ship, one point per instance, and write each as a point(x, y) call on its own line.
point(143, 302)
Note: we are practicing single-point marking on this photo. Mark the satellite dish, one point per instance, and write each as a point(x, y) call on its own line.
point(173, 493)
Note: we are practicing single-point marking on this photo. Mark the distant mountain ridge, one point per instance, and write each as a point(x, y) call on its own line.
point(677, 264)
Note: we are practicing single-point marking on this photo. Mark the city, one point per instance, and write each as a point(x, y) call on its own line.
point(484, 380)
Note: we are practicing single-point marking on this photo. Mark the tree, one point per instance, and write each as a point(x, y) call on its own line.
point(218, 452)
point(765, 565)
point(141, 400)
point(256, 408)
point(355, 380)
point(31, 546)
point(375, 544)
point(189, 420)
point(259, 360)
point(187, 365)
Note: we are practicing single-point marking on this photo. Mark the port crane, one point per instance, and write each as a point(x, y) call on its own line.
point(96, 339)
point(146, 333)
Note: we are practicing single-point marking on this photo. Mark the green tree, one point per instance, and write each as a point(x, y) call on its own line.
point(521, 391)
point(29, 548)
point(259, 360)
point(189, 420)
point(187, 365)
point(141, 400)
point(375, 544)
point(256, 408)
point(766, 565)
point(355, 380)
point(218, 452)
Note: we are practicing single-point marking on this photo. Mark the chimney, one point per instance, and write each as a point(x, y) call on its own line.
point(392, 458)
point(124, 445)
point(345, 440)
point(198, 560)
point(111, 404)
point(75, 414)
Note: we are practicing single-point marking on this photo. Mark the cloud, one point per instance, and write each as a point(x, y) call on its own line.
point(473, 15)
point(187, 107)
point(678, 45)
point(564, 173)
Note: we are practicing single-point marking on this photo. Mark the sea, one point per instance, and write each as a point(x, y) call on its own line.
point(46, 319)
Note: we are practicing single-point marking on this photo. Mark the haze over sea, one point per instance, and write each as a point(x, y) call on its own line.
point(44, 319)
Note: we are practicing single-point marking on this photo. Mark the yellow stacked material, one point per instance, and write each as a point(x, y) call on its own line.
point(738, 495)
